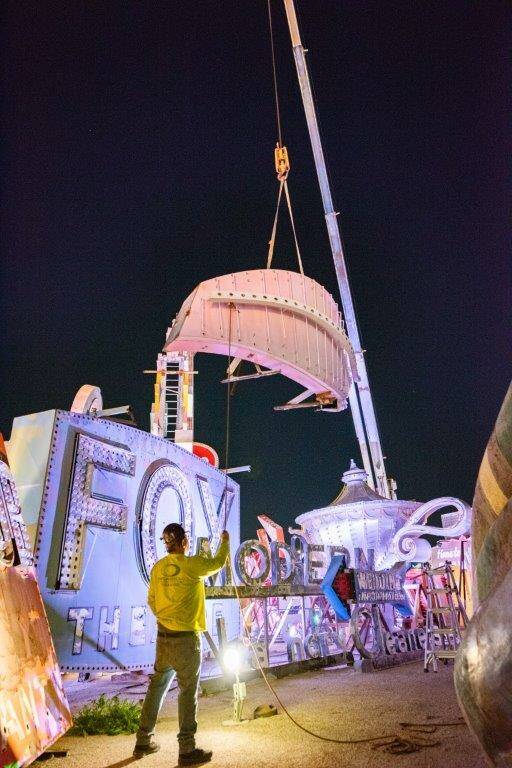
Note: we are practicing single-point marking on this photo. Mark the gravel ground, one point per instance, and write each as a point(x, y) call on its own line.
point(336, 703)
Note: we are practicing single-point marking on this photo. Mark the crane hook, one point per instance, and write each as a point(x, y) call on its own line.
point(282, 162)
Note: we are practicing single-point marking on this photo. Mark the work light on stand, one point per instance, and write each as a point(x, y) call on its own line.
point(232, 662)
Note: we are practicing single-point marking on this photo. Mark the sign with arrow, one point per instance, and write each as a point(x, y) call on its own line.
point(342, 586)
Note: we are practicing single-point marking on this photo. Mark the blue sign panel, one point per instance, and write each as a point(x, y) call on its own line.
point(338, 587)
point(343, 585)
point(382, 587)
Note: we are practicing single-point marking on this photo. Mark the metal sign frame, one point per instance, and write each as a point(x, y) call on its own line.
point(97, 494)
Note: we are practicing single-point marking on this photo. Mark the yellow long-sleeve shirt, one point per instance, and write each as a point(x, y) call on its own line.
point(176, 589)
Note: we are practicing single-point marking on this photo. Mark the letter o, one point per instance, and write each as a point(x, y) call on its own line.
point(159, 476)
point(244, 550)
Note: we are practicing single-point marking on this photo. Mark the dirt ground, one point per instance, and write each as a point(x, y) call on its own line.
point(338, 703)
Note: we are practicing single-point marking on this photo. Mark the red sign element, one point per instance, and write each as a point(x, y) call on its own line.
point(207, 453)
point(3, 451)
point(343, 585)
point(274, 530)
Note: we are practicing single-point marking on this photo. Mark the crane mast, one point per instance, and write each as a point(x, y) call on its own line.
point(360, 398)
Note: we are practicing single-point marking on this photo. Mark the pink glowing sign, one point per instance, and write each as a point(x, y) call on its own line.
point(274, 318)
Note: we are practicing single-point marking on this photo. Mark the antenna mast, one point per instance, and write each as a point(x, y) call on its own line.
point(360, 398)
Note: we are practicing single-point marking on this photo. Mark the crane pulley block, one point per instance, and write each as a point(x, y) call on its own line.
point(282, 162)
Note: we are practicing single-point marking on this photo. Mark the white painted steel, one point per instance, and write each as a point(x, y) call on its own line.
point(87, 399)
point(406, 542)
point(394, 529)
point(281, 320)
point(359, 518)
point(335, 329)
point(361, 404)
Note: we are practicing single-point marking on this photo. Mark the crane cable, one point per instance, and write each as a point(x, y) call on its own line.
point(395, 743)
point(274, 72)
point(282, 163)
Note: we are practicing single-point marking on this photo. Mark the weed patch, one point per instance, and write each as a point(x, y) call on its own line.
point(107, 716)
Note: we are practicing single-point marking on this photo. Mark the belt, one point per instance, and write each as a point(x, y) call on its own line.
point(173, 633)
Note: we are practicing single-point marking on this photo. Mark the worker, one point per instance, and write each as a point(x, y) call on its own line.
point(177, 598)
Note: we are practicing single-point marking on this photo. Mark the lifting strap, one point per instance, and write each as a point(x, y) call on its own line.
point(282, 165)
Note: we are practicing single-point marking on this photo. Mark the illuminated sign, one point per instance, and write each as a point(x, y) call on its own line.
point(382, 587)
point(281, 565)
point(97, 494)
point(342, 585)
point(34, 712)
point(14, 543)
point(33, 707)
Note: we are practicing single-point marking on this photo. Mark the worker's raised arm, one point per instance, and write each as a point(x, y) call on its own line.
point(207, 566)
point(151, 591)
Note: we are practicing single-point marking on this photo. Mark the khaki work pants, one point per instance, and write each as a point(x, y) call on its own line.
point(180, 656)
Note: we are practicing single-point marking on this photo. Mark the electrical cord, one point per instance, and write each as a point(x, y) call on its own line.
point(394, 743)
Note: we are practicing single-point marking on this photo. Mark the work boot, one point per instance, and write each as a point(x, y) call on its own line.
point(196, 757)
point(141, 750)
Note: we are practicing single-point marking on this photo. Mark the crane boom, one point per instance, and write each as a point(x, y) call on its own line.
point(360, 398)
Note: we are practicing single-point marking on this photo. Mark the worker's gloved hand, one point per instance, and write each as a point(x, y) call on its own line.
point(225, 536)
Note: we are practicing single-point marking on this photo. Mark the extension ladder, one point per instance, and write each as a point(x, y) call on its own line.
point(446, 616)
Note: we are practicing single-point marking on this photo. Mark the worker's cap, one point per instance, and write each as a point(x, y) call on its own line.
point(174, 532)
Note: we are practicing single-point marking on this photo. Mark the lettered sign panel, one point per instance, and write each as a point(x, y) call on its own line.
point(96, 495)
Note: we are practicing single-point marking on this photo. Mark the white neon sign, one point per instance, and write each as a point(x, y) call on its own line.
point(158, 478)
point(87, 507)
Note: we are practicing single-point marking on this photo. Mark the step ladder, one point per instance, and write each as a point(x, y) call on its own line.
point(172, 406)
point(446, 616)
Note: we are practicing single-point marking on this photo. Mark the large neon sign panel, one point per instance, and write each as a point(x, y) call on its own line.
point(97, 495)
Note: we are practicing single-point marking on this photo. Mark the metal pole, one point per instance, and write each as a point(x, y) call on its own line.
point(265, 624)
point(360, 398)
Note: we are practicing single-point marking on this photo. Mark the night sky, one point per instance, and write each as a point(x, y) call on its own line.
point(138, 161)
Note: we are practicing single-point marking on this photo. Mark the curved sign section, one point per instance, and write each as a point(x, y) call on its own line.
point(282, 320)
point(408, 543)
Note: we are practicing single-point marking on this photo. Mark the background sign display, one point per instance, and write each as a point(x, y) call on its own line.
point(380, 587)
point(343, 585)
point(96, 495)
